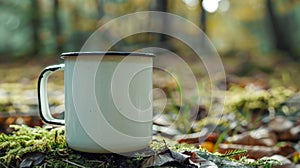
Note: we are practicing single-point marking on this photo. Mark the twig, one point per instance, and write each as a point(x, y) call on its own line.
point(75, 164)
point(165, 143)
point(97, 161)
point(3, 165)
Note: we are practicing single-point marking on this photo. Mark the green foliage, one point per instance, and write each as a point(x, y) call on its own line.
point(220, 139)
point(247, 102)
point(265, 163)
point(233, 153)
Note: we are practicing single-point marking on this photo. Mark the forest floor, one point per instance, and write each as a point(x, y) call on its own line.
point(259, 126)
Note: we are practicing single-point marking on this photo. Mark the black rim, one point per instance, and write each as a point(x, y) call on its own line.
point(108, 53)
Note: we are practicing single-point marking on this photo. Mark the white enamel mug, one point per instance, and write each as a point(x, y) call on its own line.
point(108, 100)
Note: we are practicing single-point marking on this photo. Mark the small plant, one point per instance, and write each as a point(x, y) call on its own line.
point(233, 153)
point(220, 139)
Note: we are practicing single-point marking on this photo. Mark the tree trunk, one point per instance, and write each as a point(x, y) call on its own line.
point(203, 18)
point(35, 23)
point(100, 8)
point(162, 6)
point(281, 36)
point(57, 27)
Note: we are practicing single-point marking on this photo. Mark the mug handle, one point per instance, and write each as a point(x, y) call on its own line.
point(42, 94)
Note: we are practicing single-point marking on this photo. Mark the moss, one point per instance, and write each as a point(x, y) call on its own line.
point(247, 100)
point(50, 144)
point(25, 140)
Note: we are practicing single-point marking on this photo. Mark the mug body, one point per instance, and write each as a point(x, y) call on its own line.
point(108, 100)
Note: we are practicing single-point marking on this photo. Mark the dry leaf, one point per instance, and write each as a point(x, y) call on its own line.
point(167, 157)
point(260, 137)
point(32, 159)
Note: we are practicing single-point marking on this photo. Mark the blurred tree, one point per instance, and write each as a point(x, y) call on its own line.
point(162, 6)
point(100, 8)
point(42, 27)
point(202, 17)
point(281, 36)
point(284, 17)
point(57, 27)
point(35, 24)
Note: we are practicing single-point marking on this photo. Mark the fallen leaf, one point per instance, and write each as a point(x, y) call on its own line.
point(194, 157)
point(166, 157)
point(161, 120)
point(209, 146)
point(280, 124)
point(292, 134)
point(213, 137)
point(166, 131)
point(197, 137)
point(27, 162)
point(286, 149)
point(32, 159)
point(260, 137)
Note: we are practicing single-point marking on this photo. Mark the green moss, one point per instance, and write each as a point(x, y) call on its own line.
point(246, 100)
point(25, 140)
point(50, 143)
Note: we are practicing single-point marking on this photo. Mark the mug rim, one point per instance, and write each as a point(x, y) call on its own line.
point(106, 53)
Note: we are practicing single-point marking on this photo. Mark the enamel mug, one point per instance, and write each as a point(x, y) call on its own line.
point(108, 100)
